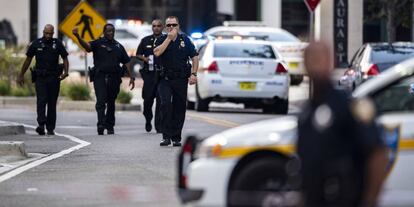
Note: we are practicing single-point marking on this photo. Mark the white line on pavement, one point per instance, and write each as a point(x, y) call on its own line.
point(19, 170)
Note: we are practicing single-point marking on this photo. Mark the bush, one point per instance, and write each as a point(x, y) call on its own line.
point(78, 92)
point(64, 88)
point(22, 91)
point(124, 97)
point(5, 88)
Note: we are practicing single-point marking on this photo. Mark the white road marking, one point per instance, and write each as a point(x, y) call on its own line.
point(19, 170)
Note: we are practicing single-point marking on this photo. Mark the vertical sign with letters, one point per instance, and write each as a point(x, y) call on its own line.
point(341, 33)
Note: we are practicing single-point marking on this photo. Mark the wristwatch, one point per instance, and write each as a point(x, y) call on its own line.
point(194, 74)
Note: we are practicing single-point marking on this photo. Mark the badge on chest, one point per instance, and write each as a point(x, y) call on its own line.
point(322, 118)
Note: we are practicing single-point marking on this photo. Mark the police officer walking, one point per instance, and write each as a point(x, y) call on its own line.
point(47, 76)
point(108, 54)
point(145, 53)
point(174, 51)
point(343, 157)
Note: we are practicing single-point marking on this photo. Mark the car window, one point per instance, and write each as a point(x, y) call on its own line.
point(386, 56)
point(396, 98)
point(124, 34)
point(244, 50)
point(355, 57)
point(276, 37)
point(359, 57)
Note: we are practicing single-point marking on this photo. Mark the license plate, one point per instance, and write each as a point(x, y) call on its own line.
point(247, 86)
point(293, 65)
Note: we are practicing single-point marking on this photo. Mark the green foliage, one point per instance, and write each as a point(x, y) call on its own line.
point(64, 88)
point(22, 92)
point(124, 97)
point(77, 92)
point(5, 88)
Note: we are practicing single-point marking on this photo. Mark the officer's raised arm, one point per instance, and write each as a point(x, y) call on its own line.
point(84, 44)
point(158, 51)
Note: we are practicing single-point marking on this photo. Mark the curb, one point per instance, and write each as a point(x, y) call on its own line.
point(11, 129)
point(7, 101)
point(12, 149)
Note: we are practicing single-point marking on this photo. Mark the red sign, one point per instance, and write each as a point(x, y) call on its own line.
point(311, 4)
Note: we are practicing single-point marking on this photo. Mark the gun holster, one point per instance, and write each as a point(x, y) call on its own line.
point(33, 75)
point(92, 73)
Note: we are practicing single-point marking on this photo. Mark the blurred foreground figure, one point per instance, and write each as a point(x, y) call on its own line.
point(343, 157)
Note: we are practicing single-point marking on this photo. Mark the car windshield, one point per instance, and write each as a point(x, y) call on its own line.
point(387, 56)
point(244, 50)
point(276, 37)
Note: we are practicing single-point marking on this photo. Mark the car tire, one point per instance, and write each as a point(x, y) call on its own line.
point(201, 104)
point(190, 105)
point(258, 180)
point(296, 80)
point(281, 106)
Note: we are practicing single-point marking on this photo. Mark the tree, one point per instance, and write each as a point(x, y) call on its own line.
point(396, 13)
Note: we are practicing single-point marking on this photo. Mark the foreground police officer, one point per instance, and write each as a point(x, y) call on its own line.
point(342, 154)
point(108, 54)
point(145, 53)
point(174, 51)
point(47, 76)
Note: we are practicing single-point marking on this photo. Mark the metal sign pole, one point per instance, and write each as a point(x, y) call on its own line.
point(86, 69)
point(311, 39)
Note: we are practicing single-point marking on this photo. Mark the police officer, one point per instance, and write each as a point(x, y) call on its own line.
point(47, 76)
point(343, 157)
point(174, 51)
point(145, 53)
point(108, 54)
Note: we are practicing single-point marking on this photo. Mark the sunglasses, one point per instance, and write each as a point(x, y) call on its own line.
point(171, 25)
point(156, 25)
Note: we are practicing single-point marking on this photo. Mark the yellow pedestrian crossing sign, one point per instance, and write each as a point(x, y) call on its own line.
point(89, 22)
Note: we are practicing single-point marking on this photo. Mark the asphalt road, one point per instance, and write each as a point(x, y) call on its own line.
point(125, 169)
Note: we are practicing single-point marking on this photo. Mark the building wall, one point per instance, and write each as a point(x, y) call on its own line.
point(18, 13)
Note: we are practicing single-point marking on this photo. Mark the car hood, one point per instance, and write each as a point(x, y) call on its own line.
point(282, 131)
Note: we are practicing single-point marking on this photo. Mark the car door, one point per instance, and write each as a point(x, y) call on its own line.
point(395, 103)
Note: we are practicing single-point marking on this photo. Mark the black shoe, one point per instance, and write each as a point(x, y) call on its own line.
point(51, 132)
point(165, 142)
point(101, 130)
point(148, 126)
point(40, 130)
point(110, 131)
point(176, 144)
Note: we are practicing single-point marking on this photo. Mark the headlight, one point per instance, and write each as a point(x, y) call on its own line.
point(211, 147)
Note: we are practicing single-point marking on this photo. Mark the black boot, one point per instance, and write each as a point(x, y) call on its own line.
point(40, 130)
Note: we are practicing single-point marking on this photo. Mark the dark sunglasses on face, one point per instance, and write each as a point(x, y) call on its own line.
point(157, 25)
point(171, 25)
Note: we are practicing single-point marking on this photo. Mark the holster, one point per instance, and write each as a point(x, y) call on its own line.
point(92, 73)
point(33, 75)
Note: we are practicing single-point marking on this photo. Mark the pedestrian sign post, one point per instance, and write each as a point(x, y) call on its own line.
point(89, 22)
point(90, 26)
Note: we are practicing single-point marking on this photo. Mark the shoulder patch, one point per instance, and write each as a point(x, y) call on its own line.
point(363, 110)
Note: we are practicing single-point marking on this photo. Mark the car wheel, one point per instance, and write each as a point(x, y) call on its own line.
point(201, 104)
point(190, 105)
point(258, 183)
point(296, 79)
point(281, 106)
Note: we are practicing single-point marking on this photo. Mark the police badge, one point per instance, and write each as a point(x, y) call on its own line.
point(182, 44)
point(54, 46)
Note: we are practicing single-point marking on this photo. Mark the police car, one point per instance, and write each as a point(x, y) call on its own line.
point(241, 70)
point(289, 46)
point(234, 163)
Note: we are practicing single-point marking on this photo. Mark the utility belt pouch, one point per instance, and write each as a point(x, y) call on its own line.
point(92, 73)
point(33, 75)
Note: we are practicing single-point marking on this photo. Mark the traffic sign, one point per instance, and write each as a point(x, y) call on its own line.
point(89, 22)
point(312, 4)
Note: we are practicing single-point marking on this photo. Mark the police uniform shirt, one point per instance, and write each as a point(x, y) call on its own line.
point(336, 135)
point(146, 48)
point(108, 54)
point(175, 57)
point(47, 53)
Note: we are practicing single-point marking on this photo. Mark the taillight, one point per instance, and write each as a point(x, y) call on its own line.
point(280, 69)
point(213, 68)
point(185, 158)
point(373, 70)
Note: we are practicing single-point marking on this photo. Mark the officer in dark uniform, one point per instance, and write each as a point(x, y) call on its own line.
point(47, 76)
point(174, 51)
point(342, 154)
point(108, 54)
point(145, 53)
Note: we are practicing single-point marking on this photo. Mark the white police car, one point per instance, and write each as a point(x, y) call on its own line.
point(256, 162)
point(240, 70)
point(289, 46)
